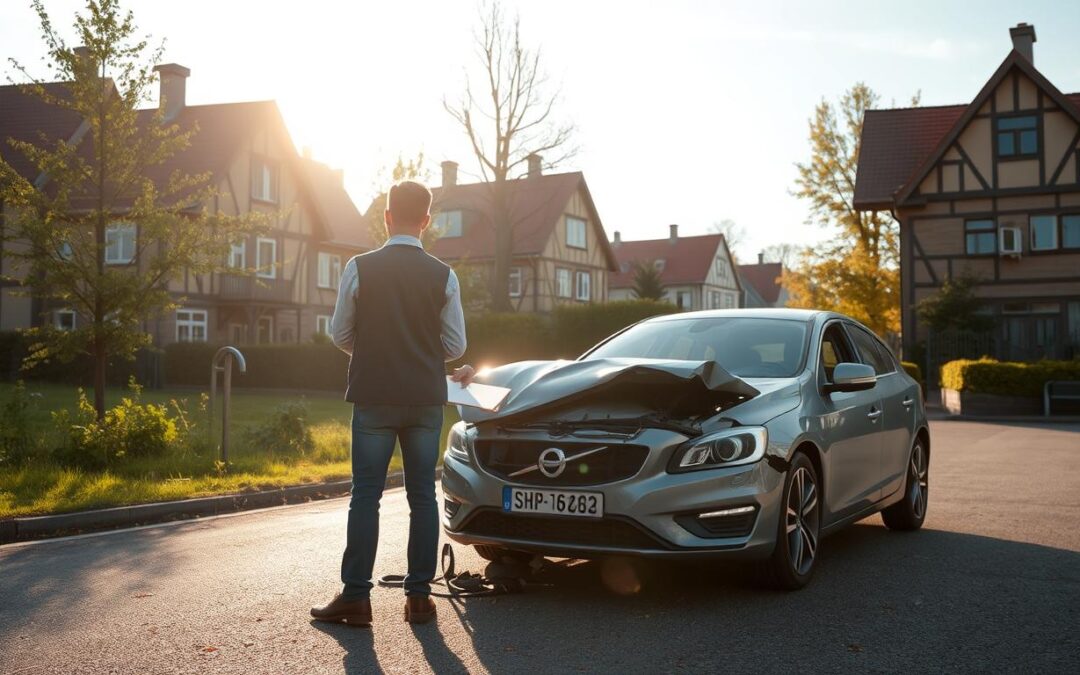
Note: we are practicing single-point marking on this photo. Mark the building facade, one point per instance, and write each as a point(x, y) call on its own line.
point(990, 190)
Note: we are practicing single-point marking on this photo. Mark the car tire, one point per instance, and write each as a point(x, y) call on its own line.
point(909, 513)
point(798, 531)
point(493, 553)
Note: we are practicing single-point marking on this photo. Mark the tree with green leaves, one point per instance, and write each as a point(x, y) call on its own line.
point(955, 306)
point(112, 180)
point(857, 271)
point(647, 283)
point(508, 116)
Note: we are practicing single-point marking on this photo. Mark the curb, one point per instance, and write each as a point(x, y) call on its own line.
point(42, 527)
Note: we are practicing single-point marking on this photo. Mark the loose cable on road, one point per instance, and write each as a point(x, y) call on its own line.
point(498, 578)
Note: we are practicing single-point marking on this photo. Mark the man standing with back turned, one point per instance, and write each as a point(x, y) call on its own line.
point(399, 316)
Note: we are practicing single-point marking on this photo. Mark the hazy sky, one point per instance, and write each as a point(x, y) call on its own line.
point(687, 112)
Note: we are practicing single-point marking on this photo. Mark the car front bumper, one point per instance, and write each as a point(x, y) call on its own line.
point(651, 514)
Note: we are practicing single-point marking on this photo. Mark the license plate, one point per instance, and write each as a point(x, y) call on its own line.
point(553, 502)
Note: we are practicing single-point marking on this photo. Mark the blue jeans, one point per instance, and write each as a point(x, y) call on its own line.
point(375, 430)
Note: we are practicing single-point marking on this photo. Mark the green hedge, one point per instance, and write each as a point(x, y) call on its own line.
point(303, 366)
point(989, 376)
point(14, 346)
point(575, 328)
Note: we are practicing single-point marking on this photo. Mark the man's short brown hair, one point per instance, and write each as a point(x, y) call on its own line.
point(408, 203)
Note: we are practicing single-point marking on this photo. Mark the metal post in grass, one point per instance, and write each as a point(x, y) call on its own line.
point(222, 362)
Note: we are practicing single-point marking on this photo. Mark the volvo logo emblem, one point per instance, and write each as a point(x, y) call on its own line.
point(552, 462)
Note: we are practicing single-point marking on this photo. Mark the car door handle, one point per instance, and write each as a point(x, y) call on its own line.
point(874, 414)
point(908, 402)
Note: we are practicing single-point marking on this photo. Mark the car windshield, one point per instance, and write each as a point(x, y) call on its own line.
point(745, 347)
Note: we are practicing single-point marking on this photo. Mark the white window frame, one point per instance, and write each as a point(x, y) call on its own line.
point(729, 301)
point(114, 246)
point(689, 300)
point(187, 320)
point(1053, 231)
point(264, 186)
point(573, 241)
point(515, 282)
point(269, 334)
point(58, 325)
point(716, 300)
point(322, 324)
point(582, 286)
point(238, 255)
point(262, 269)
point(449, 223)
point(659, 264)
point(563, 281)
point(329, 270)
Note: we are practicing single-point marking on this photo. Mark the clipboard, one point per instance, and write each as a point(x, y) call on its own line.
point(483, 396)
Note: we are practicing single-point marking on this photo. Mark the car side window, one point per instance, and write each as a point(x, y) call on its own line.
point(869, 350)
point(834, 350)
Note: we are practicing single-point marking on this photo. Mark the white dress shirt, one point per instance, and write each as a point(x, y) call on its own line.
point(453, 317)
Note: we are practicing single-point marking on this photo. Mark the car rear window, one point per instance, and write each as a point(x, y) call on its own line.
point(745, 347)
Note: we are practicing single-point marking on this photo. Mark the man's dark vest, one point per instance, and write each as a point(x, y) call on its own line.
point(398, 356)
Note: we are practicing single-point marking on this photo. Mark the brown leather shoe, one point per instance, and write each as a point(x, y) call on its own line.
point(352, 612)
point(419, 609)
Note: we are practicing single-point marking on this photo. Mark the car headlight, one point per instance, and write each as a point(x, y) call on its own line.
point(458, 442)
point(730, 447)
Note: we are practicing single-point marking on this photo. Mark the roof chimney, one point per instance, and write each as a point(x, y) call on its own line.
point(449, 173)
point(674, 233)
point(536, 165)
point(761, 258)
point(618, 239)
point(1023, 39)
point(173, 85)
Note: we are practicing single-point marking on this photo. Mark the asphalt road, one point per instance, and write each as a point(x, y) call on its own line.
point(992, 582)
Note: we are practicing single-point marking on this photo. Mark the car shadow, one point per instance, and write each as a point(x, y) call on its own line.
point(879, 600)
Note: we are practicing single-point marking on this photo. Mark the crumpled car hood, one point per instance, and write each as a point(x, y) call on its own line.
point(676, 388)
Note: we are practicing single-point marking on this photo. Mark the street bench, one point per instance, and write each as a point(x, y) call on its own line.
point(1059, 390)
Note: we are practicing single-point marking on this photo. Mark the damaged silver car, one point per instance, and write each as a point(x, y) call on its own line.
point(741, 434)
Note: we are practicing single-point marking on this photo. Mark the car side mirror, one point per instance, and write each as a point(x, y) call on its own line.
point(851, 377)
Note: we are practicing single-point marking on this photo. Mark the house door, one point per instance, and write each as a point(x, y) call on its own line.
point(265, 330)
point(1031, 337)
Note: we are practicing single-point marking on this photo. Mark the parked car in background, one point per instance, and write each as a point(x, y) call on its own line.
point(740, 434)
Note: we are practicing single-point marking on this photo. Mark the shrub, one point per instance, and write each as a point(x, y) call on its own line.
point(17, 442)
point(495, 339)
point(578, 327)
point(989, 376)
point(285, 431)
point(131, 429)
point(293, 366)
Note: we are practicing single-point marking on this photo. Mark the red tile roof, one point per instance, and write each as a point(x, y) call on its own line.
point(687, 260)
point(765, 278)
point(536, 205)
point(896, 142)
point(26, 117)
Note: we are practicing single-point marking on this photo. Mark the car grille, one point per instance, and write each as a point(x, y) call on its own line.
point(599, 532)
point(612, 463)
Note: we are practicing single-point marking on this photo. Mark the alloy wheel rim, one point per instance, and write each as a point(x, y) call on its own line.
point(801, 521)
point(919, 480)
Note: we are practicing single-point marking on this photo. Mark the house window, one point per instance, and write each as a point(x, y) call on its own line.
point(264, 180)
point(515, 282)
point(329, 270)
point(191, 325)
point(265, 330)
point(1017, 136)
point(721, 269)
point(119, 243)
point(238, 255)
point(448, 223)
point(266, 258)
point(238, 333)
point(980, 237)
point(562, 282)
point(683, 300)
point(658, 265)
point(583, 285)
point(575, 232)
point(322, 324)
point(1043, 233)
point(729, 301)
point(1070, 231)
point(714, 299)
point(64, 319)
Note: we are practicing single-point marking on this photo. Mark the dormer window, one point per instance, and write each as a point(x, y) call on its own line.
point(575, 233)
point(448, 223)
point(1017, 136)
point(264, 180)
point(658, 265)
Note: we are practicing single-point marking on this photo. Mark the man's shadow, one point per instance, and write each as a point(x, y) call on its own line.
point(358, 643)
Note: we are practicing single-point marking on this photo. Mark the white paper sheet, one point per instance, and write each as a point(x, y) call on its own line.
point(475, 395)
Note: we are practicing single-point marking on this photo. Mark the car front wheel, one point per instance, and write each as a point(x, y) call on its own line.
point(794, 558)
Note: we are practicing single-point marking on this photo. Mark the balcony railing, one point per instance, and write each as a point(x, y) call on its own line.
point(234, 287)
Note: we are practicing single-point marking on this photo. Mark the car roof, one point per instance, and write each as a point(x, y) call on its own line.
point(757, 313)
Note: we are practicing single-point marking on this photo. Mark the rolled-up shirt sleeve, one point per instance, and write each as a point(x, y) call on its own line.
point(344, 319)
point(453, 320)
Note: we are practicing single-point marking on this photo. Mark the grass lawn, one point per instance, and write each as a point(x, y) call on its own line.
point(41, 486)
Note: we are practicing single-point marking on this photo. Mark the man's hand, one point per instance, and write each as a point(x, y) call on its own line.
point(464, 375)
